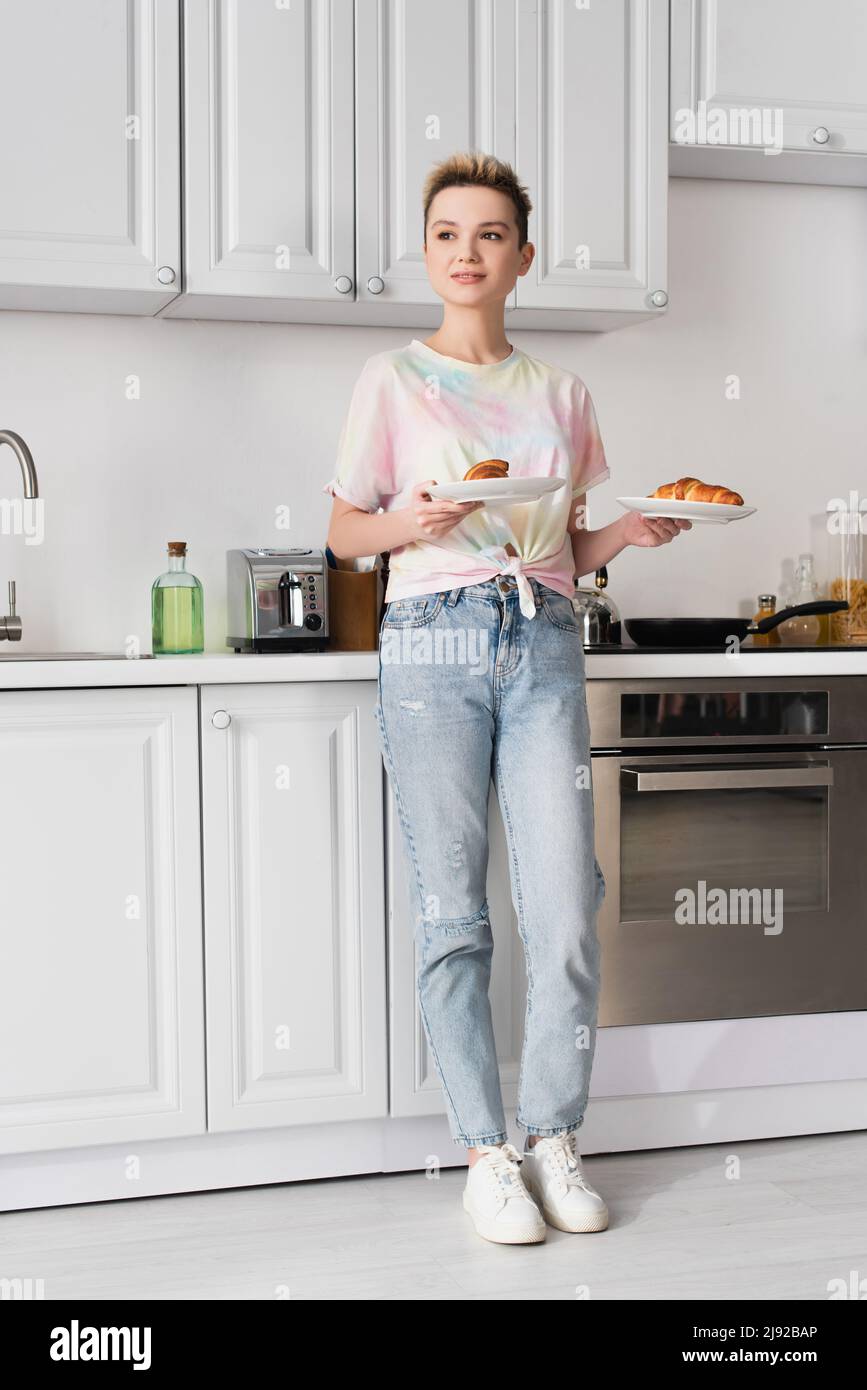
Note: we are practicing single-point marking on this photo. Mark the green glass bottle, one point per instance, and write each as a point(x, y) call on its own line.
point(177, 607)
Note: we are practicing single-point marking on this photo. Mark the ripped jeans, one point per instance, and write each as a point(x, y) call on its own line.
point(470, 689)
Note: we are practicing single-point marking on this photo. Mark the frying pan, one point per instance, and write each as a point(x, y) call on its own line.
point(715, 632)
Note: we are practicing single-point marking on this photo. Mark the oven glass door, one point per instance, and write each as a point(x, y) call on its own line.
point(736, 884)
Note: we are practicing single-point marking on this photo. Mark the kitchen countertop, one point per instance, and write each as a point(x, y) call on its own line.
point(215, 668)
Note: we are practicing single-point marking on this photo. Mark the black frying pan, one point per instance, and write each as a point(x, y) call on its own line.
point(715, 632)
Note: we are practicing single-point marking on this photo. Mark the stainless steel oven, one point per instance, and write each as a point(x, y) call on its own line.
point(731, 829)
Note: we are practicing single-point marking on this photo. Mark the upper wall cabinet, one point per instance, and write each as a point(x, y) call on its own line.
point(269, 193)
point(431, 79)
point(771, 91)
point(592, 146)
point(309, 133)
point(311, 128)
point(90, 155)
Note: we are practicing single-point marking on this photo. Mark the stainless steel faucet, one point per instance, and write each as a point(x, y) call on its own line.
point(10, 627)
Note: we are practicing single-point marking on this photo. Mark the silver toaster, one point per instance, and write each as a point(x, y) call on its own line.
point(277, 600)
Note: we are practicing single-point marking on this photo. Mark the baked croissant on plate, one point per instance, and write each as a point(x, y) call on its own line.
point(489, 468)
point(694, 490)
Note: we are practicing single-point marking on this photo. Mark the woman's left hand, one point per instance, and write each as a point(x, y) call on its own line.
point(653, 530)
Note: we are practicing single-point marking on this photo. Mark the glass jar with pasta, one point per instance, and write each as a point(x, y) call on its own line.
point(846, 575)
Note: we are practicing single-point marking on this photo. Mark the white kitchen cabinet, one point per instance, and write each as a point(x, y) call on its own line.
point(592, 144)
point(269, 197)
point(311, 128)
point(90, 155)
point(415, 1085)
point(309, 133)
point(772, 91)
point(431, 80)
point(294, 904)
point(101, 1010)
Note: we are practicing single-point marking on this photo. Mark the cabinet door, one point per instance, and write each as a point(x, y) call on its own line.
point(90, 155)
point(101, 1019)
point(783, 74)
point(269, 187)
point(592, 144)
point(294, 904)
point(430, 80)
point(415, 1086)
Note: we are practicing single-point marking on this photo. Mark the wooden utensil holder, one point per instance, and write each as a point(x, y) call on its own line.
point(353, 608)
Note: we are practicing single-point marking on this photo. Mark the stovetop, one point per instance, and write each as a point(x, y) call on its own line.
point(622, 648)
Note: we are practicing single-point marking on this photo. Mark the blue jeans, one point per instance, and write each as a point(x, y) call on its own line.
point(470, 689)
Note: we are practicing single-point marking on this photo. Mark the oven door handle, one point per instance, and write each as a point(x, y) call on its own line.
point(721, 778)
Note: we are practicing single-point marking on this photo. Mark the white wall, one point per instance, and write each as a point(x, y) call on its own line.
point(768, 281)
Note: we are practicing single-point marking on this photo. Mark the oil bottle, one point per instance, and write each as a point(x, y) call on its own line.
point(767, 607)
point(177, 607)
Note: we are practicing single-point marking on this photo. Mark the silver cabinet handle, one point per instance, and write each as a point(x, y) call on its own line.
point(166, 275)
point(723, 779)
point(376, 284)
point(821, 135)
point(343, 284)
point(221, 719)
point(659, 299)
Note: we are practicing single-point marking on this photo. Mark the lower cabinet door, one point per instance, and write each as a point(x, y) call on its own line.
point(101, 1017)
point(415, 1086)
point(294, 904)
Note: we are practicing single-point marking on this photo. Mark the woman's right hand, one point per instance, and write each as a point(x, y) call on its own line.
point(433, 517)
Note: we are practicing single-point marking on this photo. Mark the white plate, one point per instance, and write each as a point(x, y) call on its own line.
point(497, 492)
point(719, 513)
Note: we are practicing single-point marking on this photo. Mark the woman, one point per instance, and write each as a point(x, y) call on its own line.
point(482, 675)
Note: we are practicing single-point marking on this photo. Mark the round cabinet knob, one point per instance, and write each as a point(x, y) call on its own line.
point(221, 719)
point(375, 284)
point(659, 299)
point(821, 135)
point(166, 275)
point(343, 284)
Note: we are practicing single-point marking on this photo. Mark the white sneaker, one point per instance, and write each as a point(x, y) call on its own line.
point(552, 1172)
point(499, 1204)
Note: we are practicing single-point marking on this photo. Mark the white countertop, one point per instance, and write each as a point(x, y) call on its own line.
point(214, 668)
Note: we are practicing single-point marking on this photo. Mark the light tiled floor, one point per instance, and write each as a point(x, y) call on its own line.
point(794, 1218)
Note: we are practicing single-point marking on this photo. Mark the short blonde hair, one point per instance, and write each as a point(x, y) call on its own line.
point(471, 168)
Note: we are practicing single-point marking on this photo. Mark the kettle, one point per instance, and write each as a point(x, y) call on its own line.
point(597, 612)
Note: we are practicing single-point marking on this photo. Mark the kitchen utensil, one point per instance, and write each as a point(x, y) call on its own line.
point(597, 612)
point(719, 513)
point(714, 632)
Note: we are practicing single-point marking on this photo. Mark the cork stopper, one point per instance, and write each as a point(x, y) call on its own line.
point(177, 547)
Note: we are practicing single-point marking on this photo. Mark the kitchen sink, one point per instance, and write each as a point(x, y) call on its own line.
point(71, 656)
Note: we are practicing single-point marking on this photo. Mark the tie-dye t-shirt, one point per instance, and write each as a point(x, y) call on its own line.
point(417, 414)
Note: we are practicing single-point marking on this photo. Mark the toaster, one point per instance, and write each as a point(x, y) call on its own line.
point(277, 600)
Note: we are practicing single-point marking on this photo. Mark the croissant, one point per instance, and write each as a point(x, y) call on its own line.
point(676, 490)
point(711, 492)
point(489, 468)
point(694, 490)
